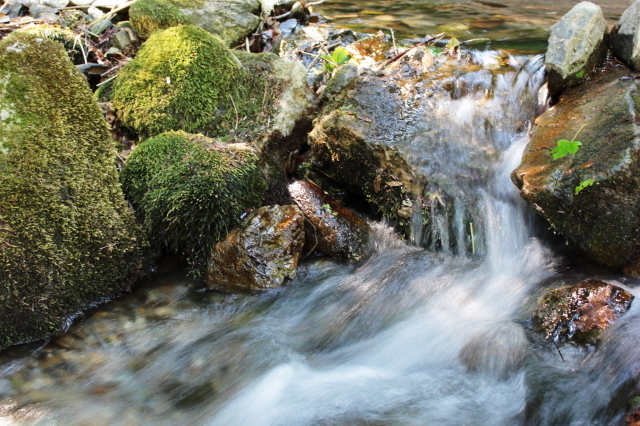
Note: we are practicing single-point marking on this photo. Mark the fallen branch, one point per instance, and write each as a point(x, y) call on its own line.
point(422, 43)
point(109, 15)
point(284, 15)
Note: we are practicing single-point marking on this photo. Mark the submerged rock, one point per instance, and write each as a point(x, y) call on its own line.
point(189, 191)
point(67, 238)
point(578, 43)
point(231, 20)
point(261, 253)
point(499, 352)
point(330, 228)
point(590, 197)
point(625, 40)
point(582, 311)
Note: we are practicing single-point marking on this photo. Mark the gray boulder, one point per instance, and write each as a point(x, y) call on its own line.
point(624, 36)
point(261, 253)
point(577, 44)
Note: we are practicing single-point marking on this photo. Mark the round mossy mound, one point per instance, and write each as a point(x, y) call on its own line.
point(185, 79)
point(67, 236)
point(189, 191)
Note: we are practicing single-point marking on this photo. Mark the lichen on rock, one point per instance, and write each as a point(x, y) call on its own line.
point(189, 191)
point(67, 237)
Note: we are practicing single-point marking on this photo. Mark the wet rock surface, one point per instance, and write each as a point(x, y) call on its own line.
point(578, 43)
point(261, 253)
point(590, 197)
point(330, 228)
point(580, 312)
point(625, 40)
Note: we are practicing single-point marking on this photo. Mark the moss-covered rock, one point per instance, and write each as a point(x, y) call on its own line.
point(189, 191)
point(72, 44)
point(183, 79)
point(67, 237)
point(231, 20)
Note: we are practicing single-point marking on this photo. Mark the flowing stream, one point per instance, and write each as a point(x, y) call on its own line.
point(411, 336)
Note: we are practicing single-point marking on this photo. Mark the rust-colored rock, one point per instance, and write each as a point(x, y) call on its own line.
point(330, 227)
point(592, 196)
point(260, 254)
point(582, 311)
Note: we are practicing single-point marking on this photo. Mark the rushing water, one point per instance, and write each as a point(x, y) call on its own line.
point(408, 337)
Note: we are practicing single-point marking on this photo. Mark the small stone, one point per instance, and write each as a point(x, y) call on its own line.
point(108, 3)
point(95, 12)
point(582, 311)
point(40, 11)
point(57, 4)
point(99, 27)
point(344, 76)
point(625, 41)
point(261, 254)
point(121, 40)
point(81, 2)
point(113, 51)
point(330, 227)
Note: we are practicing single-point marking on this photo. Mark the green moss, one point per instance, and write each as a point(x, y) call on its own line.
point(67, 237)
point(147, 16)
point(185, 79)
point(188, 192)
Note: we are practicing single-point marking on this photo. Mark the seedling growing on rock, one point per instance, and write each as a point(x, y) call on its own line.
point(583, 185)
point(338, 57)
point(565, 147)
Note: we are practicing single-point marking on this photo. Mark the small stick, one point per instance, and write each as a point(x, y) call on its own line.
point(422, 43)
point(558, 349)
point(246, 44)
point(284, 15)
point(236, 110)
point(393, 39)
point(473, 239)
point(3, 5)
point(106, 81)
point(113, 12)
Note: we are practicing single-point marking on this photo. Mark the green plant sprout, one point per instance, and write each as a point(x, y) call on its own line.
point(567, 147)
point(583, 185)
point(338, 57)
point(581, 74)
point(328, 208)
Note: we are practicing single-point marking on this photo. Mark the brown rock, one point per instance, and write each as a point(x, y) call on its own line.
point(330, 227)
point(582, 311)
point(260, 254)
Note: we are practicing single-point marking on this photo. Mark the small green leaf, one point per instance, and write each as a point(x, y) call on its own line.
point(565, 147)
point(583, 185)
point(453, 43)
point(340, 55)
point(580, 74)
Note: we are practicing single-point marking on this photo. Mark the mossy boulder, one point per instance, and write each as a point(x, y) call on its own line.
point(183, 79)
point(231, 20)
point(591, 197)
point(189, 191)
point(67, 236)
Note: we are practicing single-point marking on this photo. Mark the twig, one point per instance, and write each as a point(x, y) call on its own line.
point(106, 81)
point(112, 13)
point(558, 349)
point(246, 44)
point(422, 43)
point(393, 39)
point(3, 5)
point(236, 110)
point(284, 15)
point(473, 239)
point(77, 40)
point(315, 234)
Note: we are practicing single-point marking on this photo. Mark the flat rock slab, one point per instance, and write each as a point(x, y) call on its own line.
point(602, 219)
point(260, 254)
